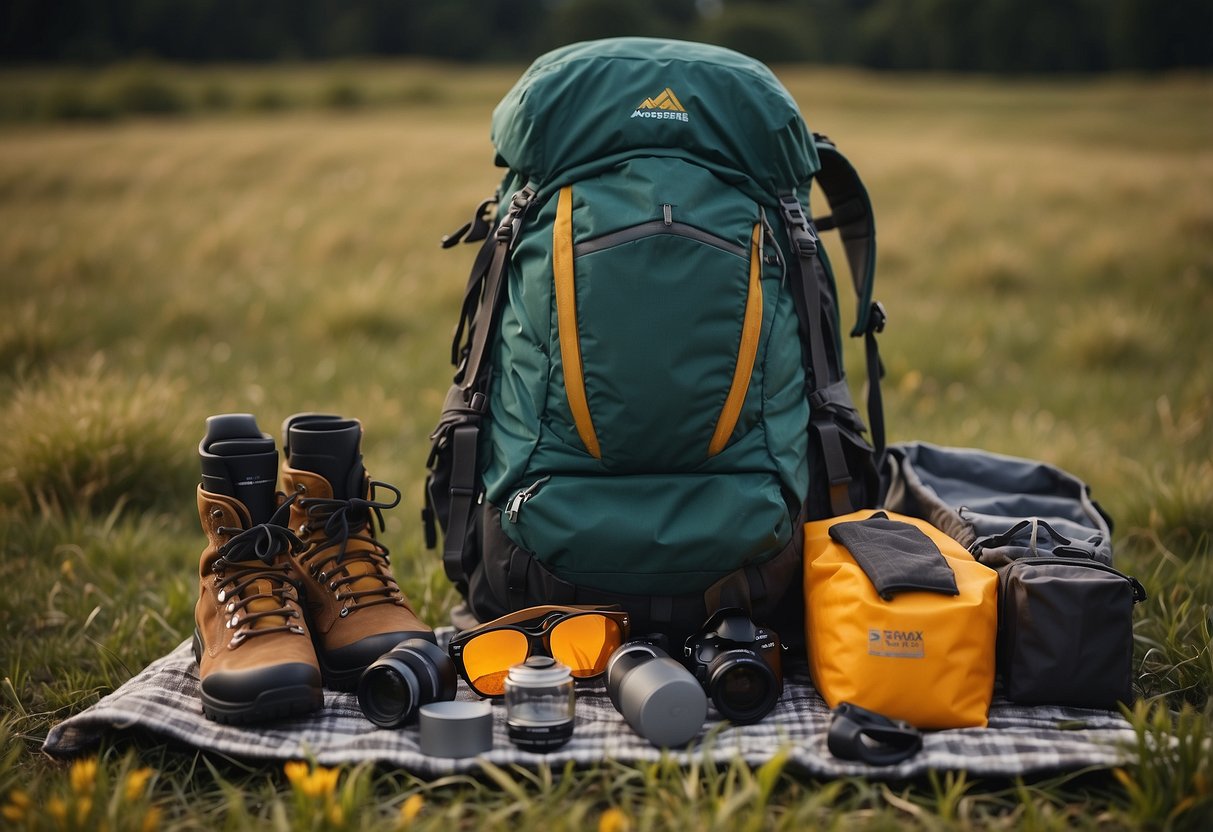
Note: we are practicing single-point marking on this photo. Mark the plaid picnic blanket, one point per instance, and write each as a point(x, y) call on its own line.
point(163, 699)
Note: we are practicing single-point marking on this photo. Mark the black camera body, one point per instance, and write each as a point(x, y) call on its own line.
point(738, 663)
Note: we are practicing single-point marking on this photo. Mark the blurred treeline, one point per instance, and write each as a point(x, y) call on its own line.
point(995, 36)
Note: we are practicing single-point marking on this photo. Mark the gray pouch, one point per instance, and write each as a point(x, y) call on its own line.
point(977, 496)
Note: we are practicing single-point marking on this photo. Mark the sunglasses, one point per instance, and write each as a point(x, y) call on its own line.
point(582, 637)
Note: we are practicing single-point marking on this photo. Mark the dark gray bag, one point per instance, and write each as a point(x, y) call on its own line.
point(1065, 616)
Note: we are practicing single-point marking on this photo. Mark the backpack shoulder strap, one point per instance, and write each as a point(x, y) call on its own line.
point(851, 213)
point(831, 401)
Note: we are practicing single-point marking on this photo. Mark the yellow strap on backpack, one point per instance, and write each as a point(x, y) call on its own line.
point(923, 657)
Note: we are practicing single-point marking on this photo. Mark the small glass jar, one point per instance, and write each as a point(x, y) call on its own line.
point(539, 704)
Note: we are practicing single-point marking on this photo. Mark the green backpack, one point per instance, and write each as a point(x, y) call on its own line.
point(649, 398)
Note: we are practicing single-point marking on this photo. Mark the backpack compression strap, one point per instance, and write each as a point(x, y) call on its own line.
point(829, 396)
point(459, 428)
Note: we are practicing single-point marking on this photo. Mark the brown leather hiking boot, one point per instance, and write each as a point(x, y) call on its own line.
point(356, 609)
point(254, 652)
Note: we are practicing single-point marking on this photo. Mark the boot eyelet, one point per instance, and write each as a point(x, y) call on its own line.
point(237, 638)
point(222, 593)
point(344, 612)
point(233, 622)
point(333, 585)
point(217, 513)
point(231, 607)
point(300, 488)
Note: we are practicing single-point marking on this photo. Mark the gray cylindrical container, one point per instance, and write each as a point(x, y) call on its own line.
point(657, 696)
point(456, 729)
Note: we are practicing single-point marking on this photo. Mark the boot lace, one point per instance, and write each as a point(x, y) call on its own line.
point(250, 556)
point(343, 522)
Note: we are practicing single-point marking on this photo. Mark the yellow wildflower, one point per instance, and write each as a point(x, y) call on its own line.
point(83, 807)
point(14, 810)
point(151, 821)
point(613, 820)
point(336, 815)
point(136, 782)
point(296, 772)
point(57, 809)
point(84, 775)
point(321, 783)
point(410, 809)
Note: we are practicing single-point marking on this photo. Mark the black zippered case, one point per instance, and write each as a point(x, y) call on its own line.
point(1065, 616)
point(1065, 632)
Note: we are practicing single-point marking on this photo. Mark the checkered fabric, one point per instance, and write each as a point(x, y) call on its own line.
point(163, 700)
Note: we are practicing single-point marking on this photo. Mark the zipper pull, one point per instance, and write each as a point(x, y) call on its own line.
point(667, 214)
point(515, 504)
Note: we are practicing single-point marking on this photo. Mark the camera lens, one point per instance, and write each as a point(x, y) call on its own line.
point(743, 688)
point(411, 674)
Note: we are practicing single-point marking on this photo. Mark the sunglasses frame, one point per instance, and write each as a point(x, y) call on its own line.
point(538, 635)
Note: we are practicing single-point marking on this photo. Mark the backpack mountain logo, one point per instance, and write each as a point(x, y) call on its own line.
point(664, 106)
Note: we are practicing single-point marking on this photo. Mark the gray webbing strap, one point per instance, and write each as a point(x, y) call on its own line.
point(465, 437)
point(468, 376)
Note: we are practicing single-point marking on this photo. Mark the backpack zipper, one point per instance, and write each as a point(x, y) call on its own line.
point(515, 504)
point(1138, 591)
point(666, 225)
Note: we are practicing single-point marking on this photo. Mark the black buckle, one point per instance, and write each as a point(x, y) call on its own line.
point(476, 229)
point(877, 317)
point(859, 734)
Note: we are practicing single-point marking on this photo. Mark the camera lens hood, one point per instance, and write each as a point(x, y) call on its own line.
point(411, 674)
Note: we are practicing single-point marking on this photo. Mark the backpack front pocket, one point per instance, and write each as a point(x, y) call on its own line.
point(659, 328)
point(632, 534)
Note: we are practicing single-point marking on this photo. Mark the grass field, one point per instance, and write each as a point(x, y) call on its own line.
point(1046, 257)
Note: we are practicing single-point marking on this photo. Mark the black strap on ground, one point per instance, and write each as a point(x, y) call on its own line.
point(868, 737)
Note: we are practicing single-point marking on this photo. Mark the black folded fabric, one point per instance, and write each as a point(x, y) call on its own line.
point(896, 556)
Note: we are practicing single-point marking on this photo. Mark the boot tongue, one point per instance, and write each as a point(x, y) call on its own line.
point(240, 461)
point(258, 587)
point(330, 449)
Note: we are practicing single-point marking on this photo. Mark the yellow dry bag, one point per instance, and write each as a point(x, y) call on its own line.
point(919, 649)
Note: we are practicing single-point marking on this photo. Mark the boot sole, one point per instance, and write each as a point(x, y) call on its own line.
point(268, 705)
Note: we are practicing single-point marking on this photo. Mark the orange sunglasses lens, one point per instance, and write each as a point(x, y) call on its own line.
point(585, 642)
point(488, 657)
